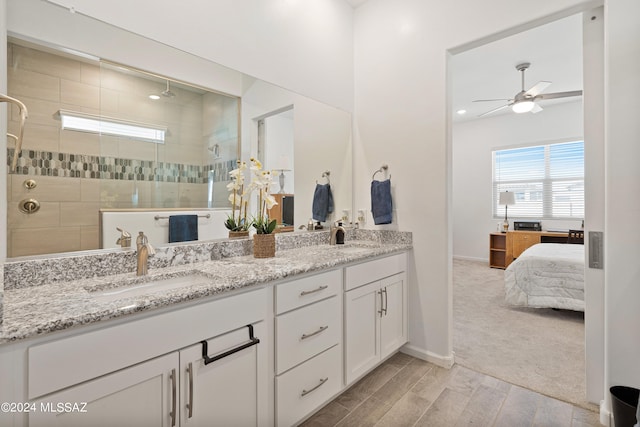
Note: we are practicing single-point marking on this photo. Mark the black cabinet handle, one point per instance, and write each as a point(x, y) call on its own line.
point(205, 347)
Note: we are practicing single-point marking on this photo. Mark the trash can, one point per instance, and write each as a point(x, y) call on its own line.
point(624, 404)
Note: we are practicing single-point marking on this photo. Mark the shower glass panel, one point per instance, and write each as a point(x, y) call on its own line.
point(79, 172)
point(191, 168)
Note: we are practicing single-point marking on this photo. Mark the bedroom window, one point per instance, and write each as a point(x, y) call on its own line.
point(548, 180)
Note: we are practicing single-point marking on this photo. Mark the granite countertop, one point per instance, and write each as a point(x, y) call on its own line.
point(34, 311)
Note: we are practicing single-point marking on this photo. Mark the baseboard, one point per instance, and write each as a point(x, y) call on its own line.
point(436, 359)
point(470, 258)
point(605, 415)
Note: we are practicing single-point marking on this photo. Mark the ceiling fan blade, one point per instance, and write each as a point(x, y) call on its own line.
point(558, 95)
point(536, 108)
point(494, 110)
point(537, 88)
point(487, 100)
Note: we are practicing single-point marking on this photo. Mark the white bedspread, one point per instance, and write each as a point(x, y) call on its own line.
point(547, 275)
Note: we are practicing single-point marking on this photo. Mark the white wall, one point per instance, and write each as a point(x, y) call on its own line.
point(401, 119)
point(473, 142)
point(305, 46)
point(622, 207)
point(3, 134)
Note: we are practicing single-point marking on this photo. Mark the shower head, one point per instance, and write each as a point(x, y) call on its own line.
point(167, 92)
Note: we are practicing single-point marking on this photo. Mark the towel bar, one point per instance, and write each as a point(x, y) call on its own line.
point(157, 217)
point(208, 359)
point(383, 168)
point(325, 174)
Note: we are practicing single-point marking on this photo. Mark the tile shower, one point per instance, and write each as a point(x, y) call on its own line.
point(78, 173)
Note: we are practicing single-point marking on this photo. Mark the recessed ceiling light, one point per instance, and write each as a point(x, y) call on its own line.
point(461, 112)
point(154, 97)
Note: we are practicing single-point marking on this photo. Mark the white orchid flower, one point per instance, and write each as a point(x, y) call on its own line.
point(270, 201)
point(235, 199)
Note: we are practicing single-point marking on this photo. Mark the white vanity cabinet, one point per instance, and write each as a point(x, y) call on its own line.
point(308, 331)
point(113, 369)
point(375, 313)
point(224, 391)
point(142, 395)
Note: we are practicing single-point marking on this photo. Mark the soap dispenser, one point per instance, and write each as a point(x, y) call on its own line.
point(340, 234)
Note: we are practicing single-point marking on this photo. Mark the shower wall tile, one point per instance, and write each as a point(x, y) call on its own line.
point(35, 85)
point(39, 112)
point(79, 142)
point(90, 74)
point(47, 216)
point(79, 94)
point(44, 240)
point(41, 137)
point(46, 63)
point(143, 150)
point(48, 189)
point(90, 189)
point(89, 238)
point(79, 213)
point(109, 101)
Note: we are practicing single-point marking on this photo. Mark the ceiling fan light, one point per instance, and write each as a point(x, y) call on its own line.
point(522, 107)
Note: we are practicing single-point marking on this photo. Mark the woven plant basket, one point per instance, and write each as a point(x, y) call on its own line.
point(238, 234)
point(264, 245)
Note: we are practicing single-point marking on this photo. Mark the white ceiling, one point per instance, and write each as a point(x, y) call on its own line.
point(488, 72)
point(355, 3)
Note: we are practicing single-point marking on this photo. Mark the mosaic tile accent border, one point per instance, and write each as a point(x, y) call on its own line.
point(47, 163)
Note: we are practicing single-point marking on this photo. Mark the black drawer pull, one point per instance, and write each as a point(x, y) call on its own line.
point(252, 341)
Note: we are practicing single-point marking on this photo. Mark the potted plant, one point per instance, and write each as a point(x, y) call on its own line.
point(264, 242)
point(237, 223)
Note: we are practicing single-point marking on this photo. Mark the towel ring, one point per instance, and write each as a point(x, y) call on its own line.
point(325, 174)
point(383, 168)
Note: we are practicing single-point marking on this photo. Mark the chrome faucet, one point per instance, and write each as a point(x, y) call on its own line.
point(144, 251)
point(336, 227)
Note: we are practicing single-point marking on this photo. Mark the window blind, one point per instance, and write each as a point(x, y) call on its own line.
point(548, 180)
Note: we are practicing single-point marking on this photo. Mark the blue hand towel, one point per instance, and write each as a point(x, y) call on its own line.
point(381, 206)
point(322, 202)
point(183, 228)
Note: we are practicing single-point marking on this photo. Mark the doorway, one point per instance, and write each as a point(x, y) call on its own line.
point(472, 207)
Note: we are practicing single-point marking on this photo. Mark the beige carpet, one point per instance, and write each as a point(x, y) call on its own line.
point(540, 349)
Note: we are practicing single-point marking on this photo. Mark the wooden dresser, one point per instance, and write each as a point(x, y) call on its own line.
point(277, 212)
point(505, 247)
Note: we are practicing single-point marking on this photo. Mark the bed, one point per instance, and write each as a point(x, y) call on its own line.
point(547, 275)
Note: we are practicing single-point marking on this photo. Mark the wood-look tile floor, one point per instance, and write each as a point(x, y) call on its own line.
point(405, 391)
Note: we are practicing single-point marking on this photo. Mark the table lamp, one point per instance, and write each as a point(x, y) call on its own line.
point(507, 199)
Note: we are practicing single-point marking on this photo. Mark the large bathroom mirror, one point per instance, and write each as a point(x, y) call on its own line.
point(206, 115)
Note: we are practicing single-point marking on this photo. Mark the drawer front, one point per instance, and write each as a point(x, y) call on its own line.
point(52, 366)
point(308, 386)
point(305, 332)
point(371, 271)
point(305, 291)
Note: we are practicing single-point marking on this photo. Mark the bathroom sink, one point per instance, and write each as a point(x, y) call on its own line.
point(143, 286)
point(352, 249)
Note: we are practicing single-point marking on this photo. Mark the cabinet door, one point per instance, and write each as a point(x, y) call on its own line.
point(362, 345)
point(522, 240)
point(224, 392)
point(143, 395)
point(393, 323)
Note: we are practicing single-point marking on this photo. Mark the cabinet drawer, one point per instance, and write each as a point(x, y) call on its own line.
point(303, 389)
point(305, 291)
point(371, 271)
point(305, 332)
point(53, 366)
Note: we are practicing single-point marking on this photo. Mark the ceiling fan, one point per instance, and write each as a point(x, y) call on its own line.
point(525, 100)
